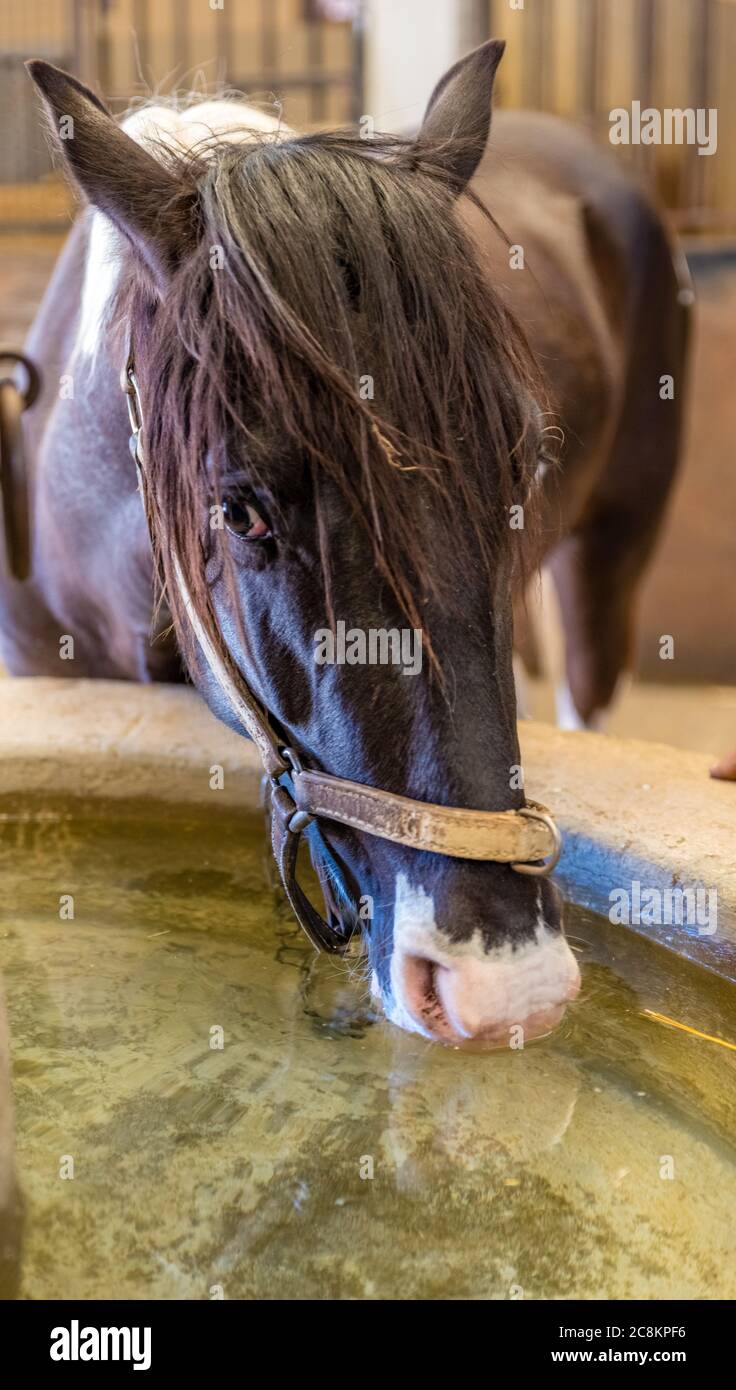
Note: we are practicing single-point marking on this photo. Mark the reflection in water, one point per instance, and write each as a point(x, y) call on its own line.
point(238, 1116)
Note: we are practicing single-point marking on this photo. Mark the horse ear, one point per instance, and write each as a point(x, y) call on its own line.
point(139, 195)
point(458, 114)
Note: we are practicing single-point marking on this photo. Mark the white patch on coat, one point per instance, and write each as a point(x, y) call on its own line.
point(523, 707)
point(503, 986)
point(180, 129)
point(568, 717)
point(567, 714)
point(101, 273)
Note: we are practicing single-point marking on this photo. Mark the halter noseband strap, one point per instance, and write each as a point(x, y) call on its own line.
point(528, 839)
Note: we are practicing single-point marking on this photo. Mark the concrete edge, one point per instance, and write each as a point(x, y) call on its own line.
point(631, 812)
point(646, 814)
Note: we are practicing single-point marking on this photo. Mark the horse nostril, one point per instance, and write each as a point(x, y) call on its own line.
point(418, 991)
point(487, 997)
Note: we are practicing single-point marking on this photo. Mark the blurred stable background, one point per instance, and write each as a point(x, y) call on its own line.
point(327, 62)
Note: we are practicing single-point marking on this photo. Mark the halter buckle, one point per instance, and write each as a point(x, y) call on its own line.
point(535, 812)
point(300, 819)
point(14, 476)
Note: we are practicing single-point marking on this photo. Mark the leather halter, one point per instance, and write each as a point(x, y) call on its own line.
point(528, 839)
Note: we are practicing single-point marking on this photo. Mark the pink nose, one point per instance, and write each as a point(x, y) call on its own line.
point(505, 998)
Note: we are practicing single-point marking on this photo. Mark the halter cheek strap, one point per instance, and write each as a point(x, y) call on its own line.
point(528, 839)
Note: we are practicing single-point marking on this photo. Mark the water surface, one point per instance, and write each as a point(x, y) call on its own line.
point(246, 1168)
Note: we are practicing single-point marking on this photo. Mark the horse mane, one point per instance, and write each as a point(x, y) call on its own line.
point(342, 259)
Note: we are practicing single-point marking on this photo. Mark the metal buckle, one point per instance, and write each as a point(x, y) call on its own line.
point(545, 868)
point(30, 390)
point(129, 384)
point(300, 819)
point(14, 484)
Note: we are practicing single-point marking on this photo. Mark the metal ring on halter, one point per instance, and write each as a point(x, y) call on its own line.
point(545, 868)
point(32, 387)
point(14, 488)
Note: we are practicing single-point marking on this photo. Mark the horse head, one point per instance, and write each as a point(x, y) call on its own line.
point(342, 423)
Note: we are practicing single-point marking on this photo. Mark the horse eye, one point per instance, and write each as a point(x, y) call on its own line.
point(242, 519)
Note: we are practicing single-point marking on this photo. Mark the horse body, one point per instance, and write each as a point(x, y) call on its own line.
point(456, 950)
point(605, 301)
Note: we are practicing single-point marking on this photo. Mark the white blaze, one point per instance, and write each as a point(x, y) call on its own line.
point(181, 130)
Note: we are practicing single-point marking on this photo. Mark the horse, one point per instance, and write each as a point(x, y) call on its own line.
point(378, 379)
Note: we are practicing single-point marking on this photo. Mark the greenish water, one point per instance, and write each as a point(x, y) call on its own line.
point(247, 1167)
